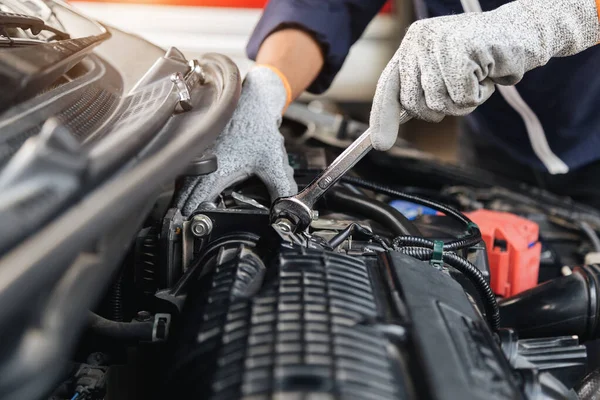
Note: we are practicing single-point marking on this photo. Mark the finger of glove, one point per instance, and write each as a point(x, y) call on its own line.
point(189, 183)
point(386, 110)
point(412, 94)
point(436, 90)
point(505, 65)
point(208, 188)
point(280, 183)
point(275, 171)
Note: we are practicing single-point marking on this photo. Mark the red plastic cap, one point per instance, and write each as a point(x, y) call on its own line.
point(513, 250)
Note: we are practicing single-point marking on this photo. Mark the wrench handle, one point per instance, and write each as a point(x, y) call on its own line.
point(342, 164)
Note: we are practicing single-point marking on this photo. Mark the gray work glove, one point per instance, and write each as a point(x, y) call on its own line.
point(250, 145)
point(449, 65)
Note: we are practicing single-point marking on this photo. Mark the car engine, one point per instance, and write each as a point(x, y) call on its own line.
point(416, 279)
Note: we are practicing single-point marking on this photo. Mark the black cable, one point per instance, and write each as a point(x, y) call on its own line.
point(589, 387)
point(471, 272)
point(403, 241)
point(473, 235)
point(116, 309)
point(591, 234)
point(343, 200)
point(449, 211)
point(121, 330)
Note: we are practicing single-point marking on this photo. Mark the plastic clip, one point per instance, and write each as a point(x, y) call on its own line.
point(437, 259)
point(472, 226)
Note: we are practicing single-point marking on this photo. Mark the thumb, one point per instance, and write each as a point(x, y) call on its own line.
point(387, 113)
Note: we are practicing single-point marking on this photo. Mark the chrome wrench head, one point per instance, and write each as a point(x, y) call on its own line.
point(298, 209)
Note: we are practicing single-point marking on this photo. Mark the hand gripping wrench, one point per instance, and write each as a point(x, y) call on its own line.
point(295, 213)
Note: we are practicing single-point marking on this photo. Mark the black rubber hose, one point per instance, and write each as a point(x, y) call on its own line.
point(409, 197)
point(116, 299)
point(473, 234)
point(475, 275)
point(589, 388)
point(402, 241)
point(343, 200)
point(472, 273)
point(141, 331)
point(564, 306)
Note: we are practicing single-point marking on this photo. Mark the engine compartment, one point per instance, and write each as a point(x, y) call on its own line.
point(416, 280)
point(372, 303)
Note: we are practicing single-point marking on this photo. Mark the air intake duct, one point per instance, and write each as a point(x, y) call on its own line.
point(569, 305)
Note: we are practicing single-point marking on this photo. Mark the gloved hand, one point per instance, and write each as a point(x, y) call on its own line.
point(449, 65)
point(250, 145)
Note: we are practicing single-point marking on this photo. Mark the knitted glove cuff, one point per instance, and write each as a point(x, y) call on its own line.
point(268, 85)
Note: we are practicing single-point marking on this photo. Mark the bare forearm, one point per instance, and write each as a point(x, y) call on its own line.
point(295, 54)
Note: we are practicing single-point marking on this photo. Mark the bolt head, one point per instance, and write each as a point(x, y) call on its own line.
point(143, 316)
point(284, 225)
point(201, 225)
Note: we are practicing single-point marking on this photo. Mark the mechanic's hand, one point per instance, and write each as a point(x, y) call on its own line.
point(250, 145)
point(449, 65)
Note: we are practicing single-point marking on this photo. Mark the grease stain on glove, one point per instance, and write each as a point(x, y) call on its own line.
point(250, 145)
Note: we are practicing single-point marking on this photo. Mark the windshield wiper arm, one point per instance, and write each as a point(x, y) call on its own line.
point(27, 22)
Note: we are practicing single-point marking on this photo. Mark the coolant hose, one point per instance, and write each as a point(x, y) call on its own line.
point(569, 305)
point(589, 388)
point(345, 201)
point(141, 331)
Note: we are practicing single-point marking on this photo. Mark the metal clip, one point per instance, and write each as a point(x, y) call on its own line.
point(185, 85)
point(185, 97)
point(196, 75)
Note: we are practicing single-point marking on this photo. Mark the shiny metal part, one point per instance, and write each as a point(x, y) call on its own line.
point(299, 208)
point(241, 199)
point(201, 225)
point(185, 97)
point(283, 225)
point(285, 229)
point(187, 245)
point(185, 85)
point(196, 75)
point(160, 330)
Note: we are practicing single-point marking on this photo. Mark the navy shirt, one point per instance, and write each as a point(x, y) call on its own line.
point(553, 124)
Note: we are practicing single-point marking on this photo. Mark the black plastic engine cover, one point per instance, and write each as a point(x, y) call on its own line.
point(458, 354)
point(312, 324)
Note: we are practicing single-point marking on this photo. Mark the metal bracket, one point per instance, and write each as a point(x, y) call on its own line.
point(160, 330)
point(185, 85)
point(185, 97)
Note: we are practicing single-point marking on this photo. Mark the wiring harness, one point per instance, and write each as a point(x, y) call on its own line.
point(439, 252)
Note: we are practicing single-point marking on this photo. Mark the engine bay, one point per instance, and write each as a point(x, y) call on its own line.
point(395, 291)
point(416, 279)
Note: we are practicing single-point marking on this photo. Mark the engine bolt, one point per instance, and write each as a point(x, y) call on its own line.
point(284, 225)
point(143, 316)
point(201, 225)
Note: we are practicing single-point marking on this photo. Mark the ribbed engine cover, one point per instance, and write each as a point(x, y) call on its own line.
point(309, 325)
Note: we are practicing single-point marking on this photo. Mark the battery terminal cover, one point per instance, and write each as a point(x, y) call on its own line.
point(513, 249)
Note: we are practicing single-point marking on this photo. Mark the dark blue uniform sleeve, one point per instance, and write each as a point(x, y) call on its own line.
point(335, 24)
